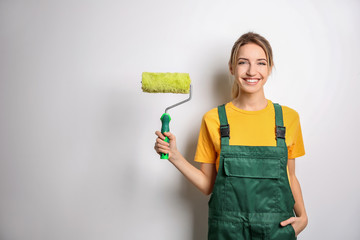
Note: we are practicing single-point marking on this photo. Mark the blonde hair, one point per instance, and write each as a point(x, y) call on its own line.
point(246, 38)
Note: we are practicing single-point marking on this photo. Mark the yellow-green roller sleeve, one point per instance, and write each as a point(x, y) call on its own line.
point(165, 83)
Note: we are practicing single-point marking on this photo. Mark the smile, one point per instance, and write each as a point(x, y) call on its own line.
point(252, 81)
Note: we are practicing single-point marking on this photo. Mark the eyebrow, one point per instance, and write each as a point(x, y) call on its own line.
point(260, 59)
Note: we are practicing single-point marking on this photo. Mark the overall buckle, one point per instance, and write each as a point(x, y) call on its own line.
point(225, 130)
point(280, 132)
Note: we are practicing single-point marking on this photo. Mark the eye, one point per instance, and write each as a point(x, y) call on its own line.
point(262, 63)
point(242, 62)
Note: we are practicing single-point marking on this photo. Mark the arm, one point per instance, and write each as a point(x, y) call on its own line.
point(203, 178)
point(300, 221)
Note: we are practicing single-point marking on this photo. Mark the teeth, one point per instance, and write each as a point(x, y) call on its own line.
point(252, 80)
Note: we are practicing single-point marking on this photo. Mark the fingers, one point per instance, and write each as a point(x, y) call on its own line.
point(165, 147)
point(169, 135)
point(160, 135)
point(160, 145)
point(288, 221)
point(160, 150)
point(165, 134)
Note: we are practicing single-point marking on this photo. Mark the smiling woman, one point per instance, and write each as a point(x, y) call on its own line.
point(254, 55)
point(250, 175)
point(251, 71)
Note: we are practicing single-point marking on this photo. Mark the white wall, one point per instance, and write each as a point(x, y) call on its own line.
point(77, 132)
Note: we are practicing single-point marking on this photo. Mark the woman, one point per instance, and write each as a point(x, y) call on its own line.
point(247, 150)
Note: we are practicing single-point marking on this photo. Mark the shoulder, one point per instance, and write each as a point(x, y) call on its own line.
point(290, 115)
point(213, 114)
point(211, 117)
point(290, 112)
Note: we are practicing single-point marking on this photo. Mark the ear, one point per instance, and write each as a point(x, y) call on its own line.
point(231, 69)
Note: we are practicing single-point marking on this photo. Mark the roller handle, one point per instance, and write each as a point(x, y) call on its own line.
point(165, 120)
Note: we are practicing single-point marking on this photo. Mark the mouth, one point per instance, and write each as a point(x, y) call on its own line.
point(252, 81)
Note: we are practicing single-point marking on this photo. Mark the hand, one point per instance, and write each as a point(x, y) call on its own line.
point(298, 223)
point(163, 147)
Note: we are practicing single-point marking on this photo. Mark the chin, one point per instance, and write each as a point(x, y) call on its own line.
point(251, 91)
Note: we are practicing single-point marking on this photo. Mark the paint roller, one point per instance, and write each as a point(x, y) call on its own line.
point(167, 83)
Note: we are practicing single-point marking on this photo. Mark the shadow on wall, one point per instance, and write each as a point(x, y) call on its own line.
point(222, 87)
point(197, 201)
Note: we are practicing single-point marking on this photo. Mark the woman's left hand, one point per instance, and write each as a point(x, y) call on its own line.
point(298, 223)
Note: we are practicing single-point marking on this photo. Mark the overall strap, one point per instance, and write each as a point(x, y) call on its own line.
point(224, 126)
point(279, 129)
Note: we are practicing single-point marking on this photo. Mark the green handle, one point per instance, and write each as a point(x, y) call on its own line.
point(165, 120)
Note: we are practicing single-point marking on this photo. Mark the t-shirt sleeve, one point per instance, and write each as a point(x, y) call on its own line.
point(205, 151)
point(296, 148)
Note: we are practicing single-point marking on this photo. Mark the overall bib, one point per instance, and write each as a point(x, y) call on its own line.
point(251, 195)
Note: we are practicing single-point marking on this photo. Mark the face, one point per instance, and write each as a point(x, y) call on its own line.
point(251, 69)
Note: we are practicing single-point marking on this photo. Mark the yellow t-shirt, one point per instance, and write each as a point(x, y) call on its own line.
point(250, 128)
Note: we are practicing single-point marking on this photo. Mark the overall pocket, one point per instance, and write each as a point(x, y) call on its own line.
point(282, 233)
point(252, 184)
point(252, 167)
point(292, 231)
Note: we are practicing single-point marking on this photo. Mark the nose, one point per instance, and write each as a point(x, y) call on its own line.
point(251, 71)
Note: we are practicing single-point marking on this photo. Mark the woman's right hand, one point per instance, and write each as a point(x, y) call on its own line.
point(163, 147)
point(202, 178)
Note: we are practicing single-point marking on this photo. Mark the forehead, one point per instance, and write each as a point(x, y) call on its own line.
point(251, 50)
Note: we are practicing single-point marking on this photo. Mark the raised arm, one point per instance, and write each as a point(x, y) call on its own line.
point(203, 178)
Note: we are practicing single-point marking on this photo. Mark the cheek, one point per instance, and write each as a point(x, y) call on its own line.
point(240, 70)
point(264, 72)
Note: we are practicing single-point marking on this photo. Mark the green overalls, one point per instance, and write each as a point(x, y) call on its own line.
point(251, 195)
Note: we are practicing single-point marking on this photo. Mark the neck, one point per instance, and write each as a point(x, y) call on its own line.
point(250, 102)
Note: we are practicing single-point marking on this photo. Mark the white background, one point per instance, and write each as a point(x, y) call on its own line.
point(77, 132)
